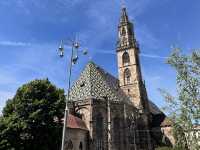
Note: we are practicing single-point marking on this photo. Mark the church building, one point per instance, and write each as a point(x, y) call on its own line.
point(109, 113)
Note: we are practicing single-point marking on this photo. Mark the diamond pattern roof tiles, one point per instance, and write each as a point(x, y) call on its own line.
point(94, 82)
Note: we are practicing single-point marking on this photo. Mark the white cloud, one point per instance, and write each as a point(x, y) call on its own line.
point(111, 52)
point(146, 37)
point(13, 43)
point(152, 56)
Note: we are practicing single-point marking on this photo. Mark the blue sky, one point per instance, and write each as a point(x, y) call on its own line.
point(30, 31)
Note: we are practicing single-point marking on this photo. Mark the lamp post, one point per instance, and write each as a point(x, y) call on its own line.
point(75, 45)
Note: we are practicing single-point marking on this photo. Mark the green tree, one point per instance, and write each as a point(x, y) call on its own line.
point(184, 109)
point(32, 119)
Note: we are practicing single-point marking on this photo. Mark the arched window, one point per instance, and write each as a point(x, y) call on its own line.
point(127, 76)
point(99, 132)
point(116, 127)
point(69, 145)
point(123, 41)
point(99, 126)
point(123, 31)
point(81, 146)
point(125, 58)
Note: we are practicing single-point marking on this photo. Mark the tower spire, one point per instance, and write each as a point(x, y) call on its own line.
point(126, 36)
point(129, 69)
point(124, 16)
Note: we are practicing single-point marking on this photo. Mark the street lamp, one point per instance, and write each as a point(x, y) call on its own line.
point(75, 45)
point(61, 49)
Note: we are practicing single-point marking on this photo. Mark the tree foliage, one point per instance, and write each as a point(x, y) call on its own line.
point(164, 148)
point(184, 109)
point(32, 119)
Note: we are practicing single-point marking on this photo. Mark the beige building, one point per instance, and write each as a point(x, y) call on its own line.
point(77, 133)
point(114, 113)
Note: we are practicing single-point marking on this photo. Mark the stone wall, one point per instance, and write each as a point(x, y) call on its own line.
point(76, 139)
point(114, 125)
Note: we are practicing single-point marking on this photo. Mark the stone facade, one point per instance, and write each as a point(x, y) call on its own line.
point(77, 134)
point(128, 60)
point(113, 122)
point(129, 70)
point(116, 112)
point(77, 139)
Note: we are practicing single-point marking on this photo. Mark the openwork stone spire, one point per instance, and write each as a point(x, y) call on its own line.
point(124, 16)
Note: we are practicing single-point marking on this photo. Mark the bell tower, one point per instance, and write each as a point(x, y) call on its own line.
point(129, 70)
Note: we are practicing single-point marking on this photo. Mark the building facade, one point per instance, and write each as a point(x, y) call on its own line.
point(116, 111)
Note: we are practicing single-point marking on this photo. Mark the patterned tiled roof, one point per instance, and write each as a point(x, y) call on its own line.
point(94, 82)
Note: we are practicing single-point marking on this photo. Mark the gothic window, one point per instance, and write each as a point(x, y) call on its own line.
point(123, 41)
point(127, 76)
point(99, 132)
point(81, 146)
point(123, 32)
point(99, 127)
point(132, 132)
point(116, 127)
point(125, 58)
point(69, 145)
